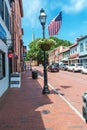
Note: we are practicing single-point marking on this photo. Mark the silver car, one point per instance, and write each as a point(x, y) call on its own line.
point(63, 66)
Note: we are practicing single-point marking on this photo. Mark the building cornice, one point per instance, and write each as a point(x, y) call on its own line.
point(81, 38)
point(75, 44)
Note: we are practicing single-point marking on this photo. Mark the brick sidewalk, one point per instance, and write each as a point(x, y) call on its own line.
point(26, 108)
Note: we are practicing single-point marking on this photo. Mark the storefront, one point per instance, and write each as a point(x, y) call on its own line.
point(4, 71)
point(83, 59)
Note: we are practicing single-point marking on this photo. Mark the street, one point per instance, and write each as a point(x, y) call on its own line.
point(70, 85)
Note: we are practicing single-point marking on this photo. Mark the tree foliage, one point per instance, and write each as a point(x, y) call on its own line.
point(60, 42)
point(36, 53)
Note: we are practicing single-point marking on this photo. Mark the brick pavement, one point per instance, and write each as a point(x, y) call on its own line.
point(26, 108)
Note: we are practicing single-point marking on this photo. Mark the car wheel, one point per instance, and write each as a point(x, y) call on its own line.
point(73, 70)
point(83, 112)
point(86, 120)
point(82, 72)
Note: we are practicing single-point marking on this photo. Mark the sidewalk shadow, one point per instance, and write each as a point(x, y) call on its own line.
point(40, 73)
point(23, 108)
point(65, 87)
point(56, 92)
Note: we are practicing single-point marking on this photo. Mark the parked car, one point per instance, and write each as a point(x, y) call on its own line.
point(53, 68)
point(63, 66)
point(84, 107)
point(84, 69)
point(77, 67)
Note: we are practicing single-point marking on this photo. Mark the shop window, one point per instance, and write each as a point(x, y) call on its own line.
point(81, 47)
point(2, 65)
point(86, 45)
point(75, 49)
point(2, 9)
point(7, 17)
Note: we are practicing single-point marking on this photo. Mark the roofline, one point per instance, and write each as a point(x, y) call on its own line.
point(75, 44)
point(81, 38)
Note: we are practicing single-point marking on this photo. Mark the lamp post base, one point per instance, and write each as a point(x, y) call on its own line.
point(46, 90)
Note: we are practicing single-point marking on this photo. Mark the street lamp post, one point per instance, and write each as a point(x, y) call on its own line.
point(42, 19)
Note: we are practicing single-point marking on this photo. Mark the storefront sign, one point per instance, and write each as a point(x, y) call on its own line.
point(10, 55)
point(15, 80)
point(74, 55)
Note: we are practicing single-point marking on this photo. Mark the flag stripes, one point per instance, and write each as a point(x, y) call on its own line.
point(55, 24)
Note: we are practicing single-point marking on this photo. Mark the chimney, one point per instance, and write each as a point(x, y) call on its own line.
point(76, 39)
point(81, 36)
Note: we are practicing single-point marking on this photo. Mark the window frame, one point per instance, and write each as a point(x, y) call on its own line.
point(86, 45)
point(2, 64)
point(81, 47)
point(2, 13)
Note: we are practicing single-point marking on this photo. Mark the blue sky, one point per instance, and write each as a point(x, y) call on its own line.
point(74, 18)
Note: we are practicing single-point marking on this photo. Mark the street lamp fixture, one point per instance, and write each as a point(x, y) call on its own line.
point(42, 19)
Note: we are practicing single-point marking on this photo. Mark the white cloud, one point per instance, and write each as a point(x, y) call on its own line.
point(31, 9)
point(75, 6)
point(72, 34)
point(69, 6)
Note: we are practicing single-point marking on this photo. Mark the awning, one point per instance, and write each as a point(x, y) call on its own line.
point(83, 58)
point(73, 59)
point(64, 59)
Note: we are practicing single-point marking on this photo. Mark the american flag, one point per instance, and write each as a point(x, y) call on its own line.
point(55, 24)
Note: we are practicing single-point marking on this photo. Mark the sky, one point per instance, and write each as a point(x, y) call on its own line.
point(74, 18)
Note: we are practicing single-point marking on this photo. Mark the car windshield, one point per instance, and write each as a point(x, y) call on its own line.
point(79, 64)
point(56, 64)
point(65, 64)
point(72, 65)
point(85, 65)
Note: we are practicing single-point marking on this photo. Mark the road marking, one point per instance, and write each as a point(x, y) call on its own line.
point(70, 105)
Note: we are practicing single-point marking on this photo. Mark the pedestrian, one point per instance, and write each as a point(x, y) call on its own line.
point(25, 67)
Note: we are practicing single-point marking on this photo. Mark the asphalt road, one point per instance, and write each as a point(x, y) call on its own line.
point(70, 85)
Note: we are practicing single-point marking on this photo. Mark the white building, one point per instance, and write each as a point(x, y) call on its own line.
point(82, 42)
point(5, 15)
